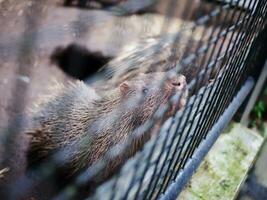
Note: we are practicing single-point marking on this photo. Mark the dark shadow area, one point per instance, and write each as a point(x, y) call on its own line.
point(253, 189)
point(91, 3)
point(77, 61)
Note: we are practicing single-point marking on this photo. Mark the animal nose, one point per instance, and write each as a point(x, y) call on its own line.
point(179, 81)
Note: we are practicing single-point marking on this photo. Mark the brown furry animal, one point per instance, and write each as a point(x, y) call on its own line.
point(81, 127)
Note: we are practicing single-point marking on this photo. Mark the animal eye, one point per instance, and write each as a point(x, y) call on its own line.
point(145, 90)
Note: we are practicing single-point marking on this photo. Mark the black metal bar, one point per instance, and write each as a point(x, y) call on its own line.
point(218, 114)
point(175, 188)
point(196, 136)
point(194, 144)
point(227, 74)
point(248, 44)
point(217, 88)
point(154, 145)
point(183, 144)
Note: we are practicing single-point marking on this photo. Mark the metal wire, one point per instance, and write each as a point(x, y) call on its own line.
point(222, 57)
point(198, 106)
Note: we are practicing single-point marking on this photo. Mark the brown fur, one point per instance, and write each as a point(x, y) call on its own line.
point(83, 129)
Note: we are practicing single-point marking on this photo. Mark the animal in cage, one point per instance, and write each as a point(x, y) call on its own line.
point(84, 134)
point(80, 126)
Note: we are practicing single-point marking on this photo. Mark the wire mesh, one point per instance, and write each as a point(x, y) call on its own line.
point(214, 56)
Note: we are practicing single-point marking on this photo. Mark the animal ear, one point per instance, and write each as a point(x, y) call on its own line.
point(124, 87)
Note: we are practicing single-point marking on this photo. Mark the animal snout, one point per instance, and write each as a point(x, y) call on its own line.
point(179, 82)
